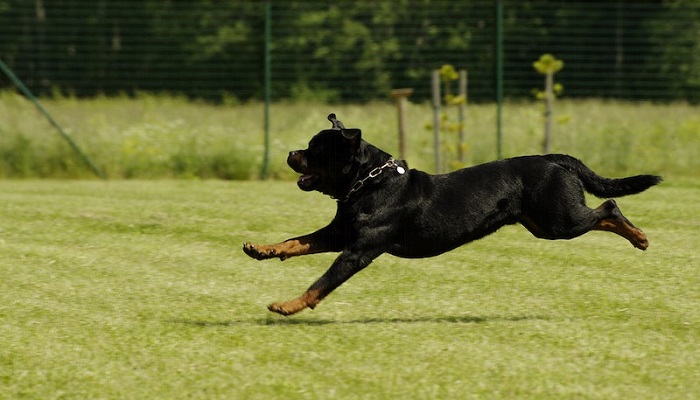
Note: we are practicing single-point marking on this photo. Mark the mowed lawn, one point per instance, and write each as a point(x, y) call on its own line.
point(140, 290)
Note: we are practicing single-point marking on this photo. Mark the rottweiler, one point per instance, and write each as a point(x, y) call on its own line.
point(383, 207)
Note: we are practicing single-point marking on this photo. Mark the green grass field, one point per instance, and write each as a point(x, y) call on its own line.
point(139, 290)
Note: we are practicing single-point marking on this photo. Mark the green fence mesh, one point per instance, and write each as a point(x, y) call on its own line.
point(350, 50)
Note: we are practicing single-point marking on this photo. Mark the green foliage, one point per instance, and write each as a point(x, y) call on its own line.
point(302, 92)
point(448, 73)
point(557, 90)
point(26, 156)
point(677, 48)
point(170, 137)
point(358, 49)
point(139, 290)
point(451, 127)
point(16, 156)
point(548, 64)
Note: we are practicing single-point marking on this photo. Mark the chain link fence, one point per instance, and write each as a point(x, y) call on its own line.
point(350, 51)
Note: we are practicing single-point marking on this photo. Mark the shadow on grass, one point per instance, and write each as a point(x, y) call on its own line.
point(290, 321)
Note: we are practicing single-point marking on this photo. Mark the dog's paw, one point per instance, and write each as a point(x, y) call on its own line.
point(287, 308)
point(279, 309)
point(639, 240)
point(259, 252)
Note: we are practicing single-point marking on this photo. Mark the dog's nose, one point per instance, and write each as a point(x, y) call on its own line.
point(293, 153)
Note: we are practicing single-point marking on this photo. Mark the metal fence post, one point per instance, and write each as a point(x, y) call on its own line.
point(266, 155)
point(499, 79)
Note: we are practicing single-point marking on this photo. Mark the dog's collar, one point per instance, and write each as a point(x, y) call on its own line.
point(391, 163)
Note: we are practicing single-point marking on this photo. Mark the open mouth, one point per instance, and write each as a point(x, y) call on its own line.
point(308, 182)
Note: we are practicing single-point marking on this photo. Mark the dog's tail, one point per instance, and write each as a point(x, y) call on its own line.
point(604, 187)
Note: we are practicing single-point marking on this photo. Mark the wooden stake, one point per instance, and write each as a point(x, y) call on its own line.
point(401, 96)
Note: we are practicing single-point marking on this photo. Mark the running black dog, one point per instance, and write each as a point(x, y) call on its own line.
point(385, 208)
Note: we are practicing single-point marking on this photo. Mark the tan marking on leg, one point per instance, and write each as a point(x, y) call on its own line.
point(284, 250)
point(624, 229)
point(309, 299)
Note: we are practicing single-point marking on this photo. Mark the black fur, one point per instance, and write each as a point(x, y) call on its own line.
point(412, 214)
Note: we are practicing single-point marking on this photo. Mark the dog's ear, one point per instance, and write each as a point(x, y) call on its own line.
point(336, 124)
point(353, 137)
point(352, 134)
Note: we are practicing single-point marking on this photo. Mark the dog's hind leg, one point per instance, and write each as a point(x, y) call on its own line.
point(612, 220)
point(558, 211)
point(580, 219)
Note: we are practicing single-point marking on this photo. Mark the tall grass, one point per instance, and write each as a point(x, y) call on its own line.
point(165, 137)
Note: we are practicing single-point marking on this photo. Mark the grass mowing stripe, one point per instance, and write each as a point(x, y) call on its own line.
point(139, 290)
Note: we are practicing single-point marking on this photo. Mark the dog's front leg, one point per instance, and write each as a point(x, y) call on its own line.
point(345, 266)
point(324, 240)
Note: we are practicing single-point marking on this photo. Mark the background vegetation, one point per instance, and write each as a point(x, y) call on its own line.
point(171, 137)
point(350, 50)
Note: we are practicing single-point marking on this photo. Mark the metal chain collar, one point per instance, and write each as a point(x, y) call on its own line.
point(373, 174)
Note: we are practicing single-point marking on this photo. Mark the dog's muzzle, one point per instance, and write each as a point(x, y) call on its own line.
point(307, 181)
point(297, 161)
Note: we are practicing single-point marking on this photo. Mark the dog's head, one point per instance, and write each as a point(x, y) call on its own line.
point(326, 165)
